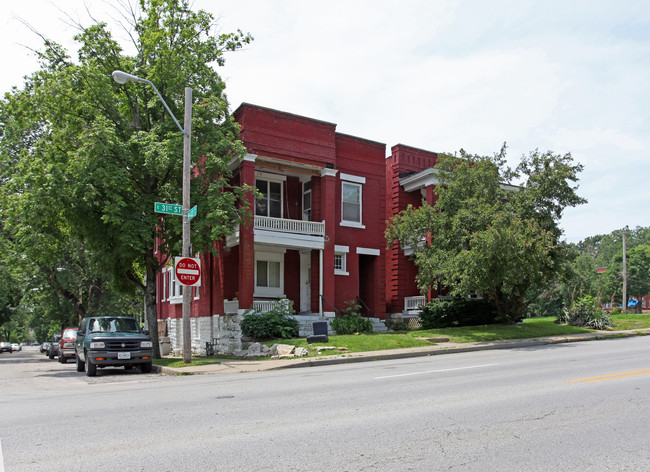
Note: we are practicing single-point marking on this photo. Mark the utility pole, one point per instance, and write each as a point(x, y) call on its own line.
point(187, 290)
point(624, 275)
point(121, 78)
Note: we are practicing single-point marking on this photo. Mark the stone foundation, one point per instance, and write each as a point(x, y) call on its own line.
point(224, 332)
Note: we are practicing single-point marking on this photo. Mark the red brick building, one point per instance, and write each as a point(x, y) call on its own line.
point(318, 233)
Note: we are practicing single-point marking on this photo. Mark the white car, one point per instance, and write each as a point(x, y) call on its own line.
point(16, 347)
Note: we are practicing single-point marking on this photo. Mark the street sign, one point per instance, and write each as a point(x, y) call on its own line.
point(191, 213)
point(188, 271)
point(168, 208)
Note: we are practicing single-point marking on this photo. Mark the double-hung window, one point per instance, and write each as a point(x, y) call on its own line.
point(306, 201)
point(351, 200)
point(175, 287)
point(269, 274)
point(270, 201)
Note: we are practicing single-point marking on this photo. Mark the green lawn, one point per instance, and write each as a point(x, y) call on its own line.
point(359, 342)
point(530, 328)
point(631, 321)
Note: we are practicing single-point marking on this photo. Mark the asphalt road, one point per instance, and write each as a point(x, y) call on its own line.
point(565, 407)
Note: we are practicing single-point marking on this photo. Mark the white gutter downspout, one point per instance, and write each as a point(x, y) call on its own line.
point(320, 283)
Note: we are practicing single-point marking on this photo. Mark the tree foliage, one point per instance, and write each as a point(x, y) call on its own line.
point(485, 236)
point(84, 158)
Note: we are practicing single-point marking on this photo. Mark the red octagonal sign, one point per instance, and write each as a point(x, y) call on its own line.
point(188, 271)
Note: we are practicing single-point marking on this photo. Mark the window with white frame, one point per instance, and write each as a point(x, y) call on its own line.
point(270, 201)
point(164, 285)
point(340, 260)
point(306, 201)
point(269, 274)
point(175, 287)
point(351, 200)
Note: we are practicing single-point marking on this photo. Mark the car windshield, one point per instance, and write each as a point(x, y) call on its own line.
point(70, 334)
point(113, 325)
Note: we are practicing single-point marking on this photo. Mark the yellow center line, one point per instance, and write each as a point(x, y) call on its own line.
point(619, 375)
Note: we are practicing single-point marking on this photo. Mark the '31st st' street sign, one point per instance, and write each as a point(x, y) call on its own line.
point(168, 208)
point(173, 209)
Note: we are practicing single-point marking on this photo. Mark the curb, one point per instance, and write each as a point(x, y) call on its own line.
point(231, 366)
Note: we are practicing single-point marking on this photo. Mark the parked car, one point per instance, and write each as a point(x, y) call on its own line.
point(104, 341)
point(5, 347)
point(53, 350)
point(45, 346)
point(66, 344)
point(16, 347)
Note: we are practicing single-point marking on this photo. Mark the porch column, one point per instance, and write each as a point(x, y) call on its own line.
point(328, 202)
point(247, 238)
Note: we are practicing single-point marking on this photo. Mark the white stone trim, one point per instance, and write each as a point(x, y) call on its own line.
point(368, 251)
point(352, 224)
point(352, 178)
point(326, 172)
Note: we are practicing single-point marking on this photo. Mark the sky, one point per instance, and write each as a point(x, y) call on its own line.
point(441, 75)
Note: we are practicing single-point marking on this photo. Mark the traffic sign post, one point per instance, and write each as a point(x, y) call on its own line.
point(188, 271)
point(168, 208)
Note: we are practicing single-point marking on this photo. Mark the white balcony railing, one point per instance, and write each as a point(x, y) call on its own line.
point(282, 225)
point(414, 303)
point(262, 306)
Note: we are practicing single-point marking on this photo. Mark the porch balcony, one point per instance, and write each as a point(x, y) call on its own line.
point(285, 232)
point(412, 305)
point(283, 225)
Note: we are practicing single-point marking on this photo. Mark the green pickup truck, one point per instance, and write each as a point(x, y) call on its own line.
point(107, 341)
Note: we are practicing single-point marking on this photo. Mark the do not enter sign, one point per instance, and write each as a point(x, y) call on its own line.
point(188, 271)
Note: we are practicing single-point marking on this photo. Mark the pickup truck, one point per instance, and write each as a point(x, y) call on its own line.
point(104, 341)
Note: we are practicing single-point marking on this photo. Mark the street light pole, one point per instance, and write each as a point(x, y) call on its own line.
point(187, 290)
point(121, 78)
point(624, 274)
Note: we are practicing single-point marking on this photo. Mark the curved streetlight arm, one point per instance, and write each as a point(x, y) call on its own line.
point(122, 78)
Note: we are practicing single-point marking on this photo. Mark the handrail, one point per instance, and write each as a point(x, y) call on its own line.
point(363, 305)
point(330, 304)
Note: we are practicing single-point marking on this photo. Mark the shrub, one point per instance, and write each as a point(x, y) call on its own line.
point(274, 324)
point(586, 314)
point(457, 312)
point(617, 310)
point(351, 321)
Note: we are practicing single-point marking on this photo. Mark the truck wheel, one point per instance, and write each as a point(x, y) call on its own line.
point(91, 369)
point(51, 355)
point(146, 368)
point(63, 359)
point(81, 366)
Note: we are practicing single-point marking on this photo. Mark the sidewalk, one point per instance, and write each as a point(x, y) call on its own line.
point(231, 366)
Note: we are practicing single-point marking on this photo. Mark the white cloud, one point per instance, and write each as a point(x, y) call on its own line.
point(566, 76)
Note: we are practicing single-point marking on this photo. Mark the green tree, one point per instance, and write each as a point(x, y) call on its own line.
point(484, 236)
point(89, 157)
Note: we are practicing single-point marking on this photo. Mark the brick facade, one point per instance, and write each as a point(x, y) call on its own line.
point(321, 256)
